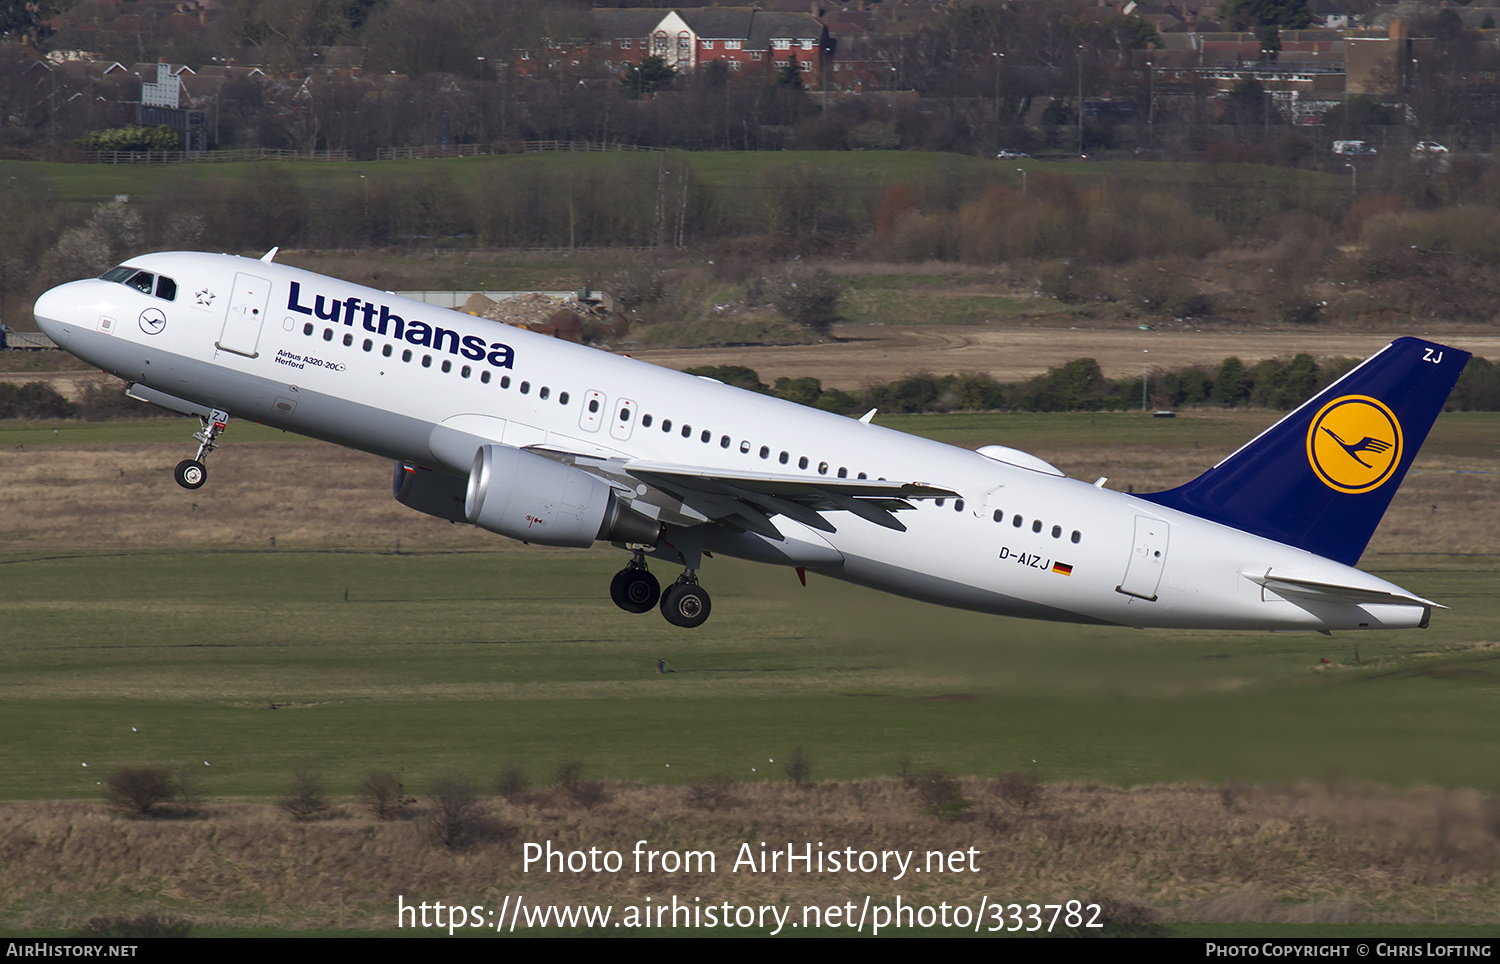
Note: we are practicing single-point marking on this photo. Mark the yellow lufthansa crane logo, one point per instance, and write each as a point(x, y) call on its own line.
point(1354, 444)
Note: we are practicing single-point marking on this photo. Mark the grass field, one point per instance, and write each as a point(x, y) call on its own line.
point(141, 625)
point(733, 172)
point(459, 628)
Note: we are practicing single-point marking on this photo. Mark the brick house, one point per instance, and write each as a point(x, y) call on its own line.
point(741, 37)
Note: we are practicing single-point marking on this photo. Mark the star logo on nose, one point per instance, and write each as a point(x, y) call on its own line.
point(205, 297)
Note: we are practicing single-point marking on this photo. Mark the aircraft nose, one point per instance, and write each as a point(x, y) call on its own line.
point(51, 315)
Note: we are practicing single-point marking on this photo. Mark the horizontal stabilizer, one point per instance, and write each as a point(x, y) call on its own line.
point(1283, 585)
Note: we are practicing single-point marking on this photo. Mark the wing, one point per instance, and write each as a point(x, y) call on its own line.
point(749, 500)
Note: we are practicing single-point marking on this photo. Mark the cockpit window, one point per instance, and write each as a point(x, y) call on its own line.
point(143, 281)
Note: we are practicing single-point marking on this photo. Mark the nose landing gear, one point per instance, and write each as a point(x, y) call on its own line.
point(192, 473)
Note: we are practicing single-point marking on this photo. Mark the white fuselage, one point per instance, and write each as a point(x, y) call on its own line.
point(239, 337)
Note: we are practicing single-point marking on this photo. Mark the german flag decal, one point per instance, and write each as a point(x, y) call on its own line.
point(1062, 567)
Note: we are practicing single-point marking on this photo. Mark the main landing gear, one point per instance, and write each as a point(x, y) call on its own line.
point(635, 590)
point(685, 603)
point(192, 473)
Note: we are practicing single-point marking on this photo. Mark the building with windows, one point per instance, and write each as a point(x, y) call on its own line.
point(742, 38)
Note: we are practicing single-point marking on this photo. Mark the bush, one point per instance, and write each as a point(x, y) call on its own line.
point(808, 296)
point(1471, 233)
point(1064, 282)
point(1231, 385)
point(1078, 386)
point(1021, 790)
point(160, 138)
point(142, 791)
point(941, 796)
point(146, 925)
point(714, 793)
point(583, 793)
point(511, 782)
point(457, 819)
point(384, 795)
point(633, 287)
point(798, 768)
point(1160, 288)
point(1478, 388)
point(306, 801)
point(33, 400)
point(737, 375)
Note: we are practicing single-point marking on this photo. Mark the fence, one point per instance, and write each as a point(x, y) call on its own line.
point(504, 147)
point(214, 157)
point(383, 154)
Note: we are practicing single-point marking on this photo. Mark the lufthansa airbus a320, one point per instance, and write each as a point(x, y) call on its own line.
point(558, 444)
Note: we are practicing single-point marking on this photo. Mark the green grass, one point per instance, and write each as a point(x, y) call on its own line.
point(874, 306)
point(730, 172)
point(468, 660)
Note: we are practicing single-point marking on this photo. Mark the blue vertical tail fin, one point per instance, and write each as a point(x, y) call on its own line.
point(1321, 478)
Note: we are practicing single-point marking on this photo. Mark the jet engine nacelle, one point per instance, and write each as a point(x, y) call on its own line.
point(532, 498)
point(434, 493)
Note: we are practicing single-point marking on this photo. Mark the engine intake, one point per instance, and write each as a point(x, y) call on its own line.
point(532, 498)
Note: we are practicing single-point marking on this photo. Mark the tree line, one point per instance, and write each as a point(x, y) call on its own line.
point(973, 75)
point(1077, 386)
point(1080, 386)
